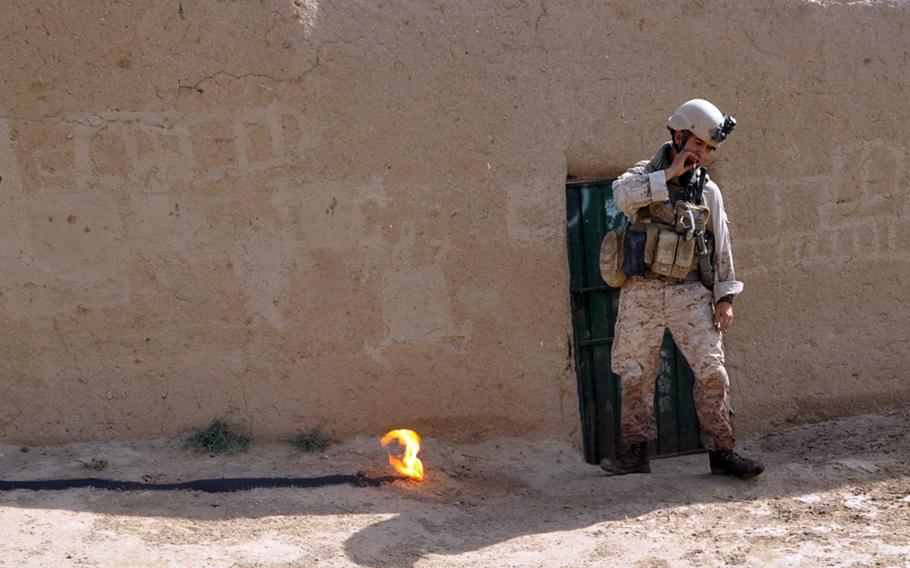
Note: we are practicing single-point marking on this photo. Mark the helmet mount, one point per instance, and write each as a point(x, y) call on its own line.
point(724, 130)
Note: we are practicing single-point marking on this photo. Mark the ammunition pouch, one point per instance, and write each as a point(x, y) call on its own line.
point(673, 255)
point(677, 245)
point(633, 261)
point(612, 257)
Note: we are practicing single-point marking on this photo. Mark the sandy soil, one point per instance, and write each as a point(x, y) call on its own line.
point(835, 494)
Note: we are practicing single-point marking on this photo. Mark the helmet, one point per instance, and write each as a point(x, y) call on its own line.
point(704, 120)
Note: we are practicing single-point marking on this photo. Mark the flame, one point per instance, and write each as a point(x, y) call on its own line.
point(409, 465)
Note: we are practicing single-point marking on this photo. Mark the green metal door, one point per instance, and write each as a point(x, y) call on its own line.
point(590, 213)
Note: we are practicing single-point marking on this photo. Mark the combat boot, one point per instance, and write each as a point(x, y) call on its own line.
point(728, 462)
point(632, 459)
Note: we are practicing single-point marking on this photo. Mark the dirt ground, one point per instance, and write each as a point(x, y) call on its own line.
point(835, 494)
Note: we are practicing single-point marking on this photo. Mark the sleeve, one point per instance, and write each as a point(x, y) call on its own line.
point(637, 188)
point(725, 281)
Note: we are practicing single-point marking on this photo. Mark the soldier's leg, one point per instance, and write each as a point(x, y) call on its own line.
point(690, 312)
point(636, 355)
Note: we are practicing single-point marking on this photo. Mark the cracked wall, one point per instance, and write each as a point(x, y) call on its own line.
point(296, 213)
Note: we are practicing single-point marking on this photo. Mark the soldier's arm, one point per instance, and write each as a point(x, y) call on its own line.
point(638, 188)
point(725, 282)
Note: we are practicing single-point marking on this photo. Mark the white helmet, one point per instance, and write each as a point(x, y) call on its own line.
point(704, 120)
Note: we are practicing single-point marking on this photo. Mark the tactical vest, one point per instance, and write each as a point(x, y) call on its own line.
point(677, 244)
point(669, 240)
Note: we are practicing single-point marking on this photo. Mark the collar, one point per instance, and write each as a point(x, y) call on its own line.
point(661, 159)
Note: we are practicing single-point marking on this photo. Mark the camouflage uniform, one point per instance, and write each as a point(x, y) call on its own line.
point(648, 306)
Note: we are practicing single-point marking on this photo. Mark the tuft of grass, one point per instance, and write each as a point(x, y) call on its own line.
point(218, 437)
point(314, 440)
point(96, 464)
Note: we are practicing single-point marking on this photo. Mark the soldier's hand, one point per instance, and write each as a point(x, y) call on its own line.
point(683, 162)
point(723, 316)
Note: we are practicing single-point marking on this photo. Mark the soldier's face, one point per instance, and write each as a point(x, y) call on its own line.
point(697, 147)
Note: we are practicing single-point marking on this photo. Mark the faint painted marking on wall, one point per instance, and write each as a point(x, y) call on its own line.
point(860, 213)
point(88, 195)
point(159, 147)
point(63, 249)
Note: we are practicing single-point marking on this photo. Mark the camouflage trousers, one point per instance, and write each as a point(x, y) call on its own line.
point(646, 308)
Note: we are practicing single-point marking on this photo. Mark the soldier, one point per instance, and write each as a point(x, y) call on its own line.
point(679, 275)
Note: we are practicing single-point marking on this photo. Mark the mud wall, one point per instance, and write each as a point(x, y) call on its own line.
point(298, 212)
